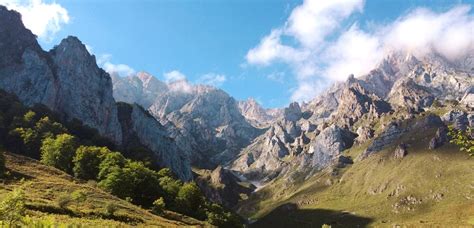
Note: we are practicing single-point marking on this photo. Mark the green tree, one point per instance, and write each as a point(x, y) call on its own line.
point(47, 128)
point(59, 152)
point(189, 199)
point(26, 141)
point(110, 161)
point(12, 208)
point(87, 161)
point(135, 181)
point(463, 139)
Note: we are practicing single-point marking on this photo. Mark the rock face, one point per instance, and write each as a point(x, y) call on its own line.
point(66, 79)
point(208, 119)
point(327, 146)
point(458, 118)
point(439, 139)
point(138, 124)
point(391, 133)
point(407, 94)
point(256, 114)
point(355, 101)
point(141, 88)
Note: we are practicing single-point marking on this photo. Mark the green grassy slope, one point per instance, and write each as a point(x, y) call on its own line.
point(425, 188)
point(43, 185)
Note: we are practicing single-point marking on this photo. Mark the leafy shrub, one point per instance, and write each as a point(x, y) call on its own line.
point(12, 208)
point(59, 152)
point(463, 139)
point(110, 209)
point(63, 201)
point(78, 196)
point(87, 161)
point(159, 206)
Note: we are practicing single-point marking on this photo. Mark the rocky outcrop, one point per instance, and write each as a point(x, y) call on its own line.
point(391, 133)
point(406, 94)
point(138, 124)
point(256, 114)
point(222, 186)
point(355, 102)
point(66, 79)
point(141, 88)
point(400, 151)
point(458, 118)
point(439, 139)
point(326, 147)
point(364, 134)
point(292, 112)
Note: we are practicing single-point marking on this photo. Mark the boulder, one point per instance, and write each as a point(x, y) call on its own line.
point(439, 139)
point(400, 151)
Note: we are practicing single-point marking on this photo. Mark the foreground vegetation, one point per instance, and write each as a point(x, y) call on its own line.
point(80, 152)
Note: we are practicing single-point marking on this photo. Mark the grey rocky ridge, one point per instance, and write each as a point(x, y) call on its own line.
point(68, 81)
point(203, 119)
point(356, 112)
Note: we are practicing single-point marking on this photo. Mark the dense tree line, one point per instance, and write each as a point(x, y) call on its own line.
point(80, 151)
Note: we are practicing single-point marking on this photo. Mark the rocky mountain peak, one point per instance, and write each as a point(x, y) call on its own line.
point(293, 112)
point(256, 114)
point(15, 38)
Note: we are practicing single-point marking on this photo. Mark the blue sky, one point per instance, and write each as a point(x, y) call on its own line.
point(214, 38)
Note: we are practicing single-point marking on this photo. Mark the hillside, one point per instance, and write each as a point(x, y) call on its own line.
point(45, 184)
point(424, 188)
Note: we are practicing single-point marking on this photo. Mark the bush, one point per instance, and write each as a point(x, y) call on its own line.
point(12, 208)
point(78, 196)
point(159, 206)
point(463, 139)
point(87, 161)
point(63, 201)
point(110, 209)
point(59, 152)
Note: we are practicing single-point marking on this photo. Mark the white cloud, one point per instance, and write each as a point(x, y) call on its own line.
point(277, 77)
point(42, 18)
point(120, 69)
point(212, 79)
point(323, 48)
point(173, 76)
point(178, 82)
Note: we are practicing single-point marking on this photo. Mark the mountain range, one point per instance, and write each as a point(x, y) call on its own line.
point(244, 155)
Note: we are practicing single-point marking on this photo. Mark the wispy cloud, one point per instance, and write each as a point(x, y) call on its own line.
point(178, 82)
point(42, 18)
point(121, 69)
point(277, 77)
point(325, 49)
point(212, 79)
point(173, 76)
